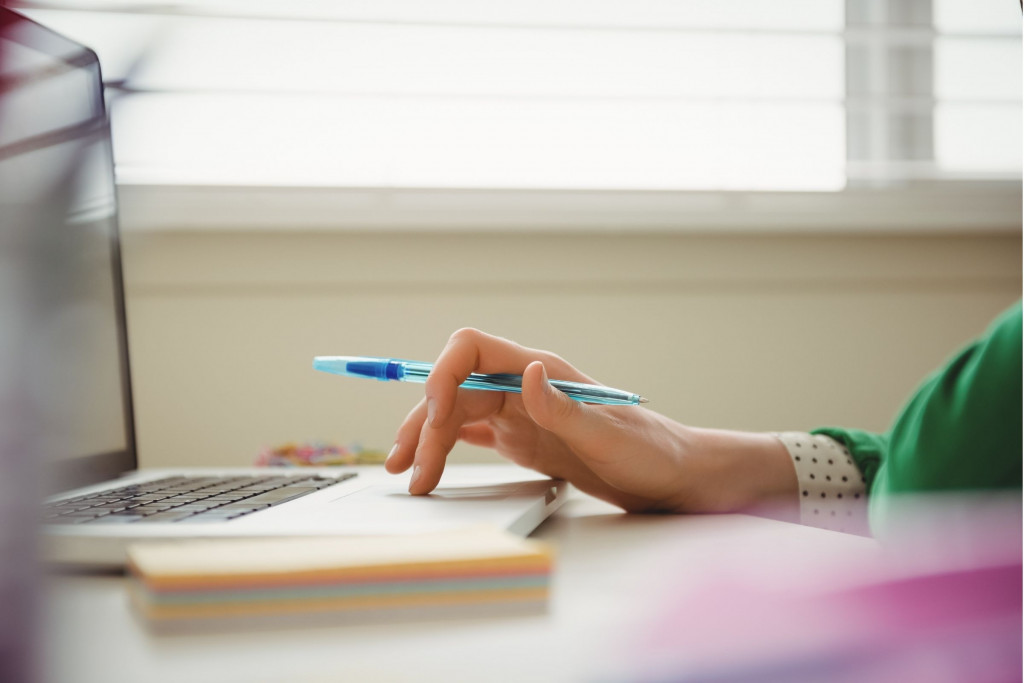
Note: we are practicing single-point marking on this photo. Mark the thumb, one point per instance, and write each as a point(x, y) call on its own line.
point(576, 423)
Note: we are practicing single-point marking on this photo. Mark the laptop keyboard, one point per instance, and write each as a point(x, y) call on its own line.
point(186, 499)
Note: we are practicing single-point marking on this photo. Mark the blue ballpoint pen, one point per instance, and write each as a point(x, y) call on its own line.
point(393, 369)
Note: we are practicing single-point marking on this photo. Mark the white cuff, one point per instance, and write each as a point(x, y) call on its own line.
point(833, 493)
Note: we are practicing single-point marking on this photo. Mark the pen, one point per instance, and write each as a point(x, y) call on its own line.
point(392, 369)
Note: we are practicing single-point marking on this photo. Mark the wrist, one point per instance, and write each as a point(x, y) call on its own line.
point(731, 471)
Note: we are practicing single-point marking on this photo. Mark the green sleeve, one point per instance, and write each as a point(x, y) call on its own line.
point(960, 431)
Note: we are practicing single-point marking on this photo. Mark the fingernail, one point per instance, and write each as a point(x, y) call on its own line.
point(416, 471)
point(544, 376)
point(431, 411)
point(391, 453)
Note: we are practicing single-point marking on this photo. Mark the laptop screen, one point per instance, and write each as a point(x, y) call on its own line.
point(59, 209)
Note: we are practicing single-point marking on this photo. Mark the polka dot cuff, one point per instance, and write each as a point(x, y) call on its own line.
point(832, 489)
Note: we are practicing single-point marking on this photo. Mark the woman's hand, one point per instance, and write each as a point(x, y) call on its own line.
point(627, 455)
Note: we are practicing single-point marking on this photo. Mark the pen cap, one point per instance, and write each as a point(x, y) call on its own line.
point(382, 369)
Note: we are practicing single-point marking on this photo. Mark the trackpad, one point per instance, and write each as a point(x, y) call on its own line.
point(396, 493)
point(386, 506)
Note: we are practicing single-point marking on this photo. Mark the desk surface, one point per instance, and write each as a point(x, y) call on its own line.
point(612, 575)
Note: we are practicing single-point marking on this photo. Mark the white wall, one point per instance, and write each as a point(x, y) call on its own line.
point(753, 332)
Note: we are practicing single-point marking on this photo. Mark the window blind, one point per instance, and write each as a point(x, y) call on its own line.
point(744, 95)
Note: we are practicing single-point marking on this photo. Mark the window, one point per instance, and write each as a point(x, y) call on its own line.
point(933, 90)
point(549, 95)
point(978, 88)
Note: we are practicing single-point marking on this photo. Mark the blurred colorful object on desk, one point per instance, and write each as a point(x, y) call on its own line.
point(234, 581)
point(941, 601)
point(318, 454)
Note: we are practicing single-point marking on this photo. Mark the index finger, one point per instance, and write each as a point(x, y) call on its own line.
point(470, 350)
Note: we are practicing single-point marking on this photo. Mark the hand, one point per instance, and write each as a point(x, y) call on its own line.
point(627, 455)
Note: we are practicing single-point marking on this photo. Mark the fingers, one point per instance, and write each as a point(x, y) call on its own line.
point(412, 434)
point(401, 456)
point(425, 448)
point(447, 413)
point(431, 454)
point(435, 442)
point(469, 351)
point(578, 424)
point(478, 435)
point(422, 447)
point(623, 456)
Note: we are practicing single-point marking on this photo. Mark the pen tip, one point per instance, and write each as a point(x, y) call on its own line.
point(644, 400)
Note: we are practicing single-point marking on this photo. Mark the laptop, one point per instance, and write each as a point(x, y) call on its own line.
point(57, 186)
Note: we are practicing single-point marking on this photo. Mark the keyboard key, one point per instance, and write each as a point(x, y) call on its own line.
point(195, 507)
point(279, 495)
point(81, 513)
point(151, 509)
point(111, 507)
point(73, 507)
point(243, 507)
point(169, 516)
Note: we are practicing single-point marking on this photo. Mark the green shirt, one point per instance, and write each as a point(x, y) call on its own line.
point(960, 431)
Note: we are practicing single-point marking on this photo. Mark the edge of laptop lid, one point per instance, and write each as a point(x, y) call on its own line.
point(75, 145)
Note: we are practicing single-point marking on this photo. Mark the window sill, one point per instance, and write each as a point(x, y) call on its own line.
point(934, 207)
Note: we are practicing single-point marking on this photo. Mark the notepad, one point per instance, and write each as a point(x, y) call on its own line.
point(209, 579)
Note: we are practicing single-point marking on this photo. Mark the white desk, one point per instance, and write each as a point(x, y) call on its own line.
point(611, 575)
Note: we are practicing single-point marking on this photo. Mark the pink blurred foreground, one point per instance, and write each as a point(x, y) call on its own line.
point(941, 602)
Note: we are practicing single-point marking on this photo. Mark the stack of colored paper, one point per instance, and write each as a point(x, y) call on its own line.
point(255, 577)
